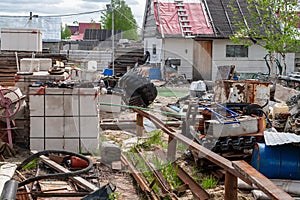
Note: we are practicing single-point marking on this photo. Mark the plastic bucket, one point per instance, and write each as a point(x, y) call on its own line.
point(78, 162)
point(277, 162)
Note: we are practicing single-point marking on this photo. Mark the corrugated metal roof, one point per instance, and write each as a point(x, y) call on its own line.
point(279, 138)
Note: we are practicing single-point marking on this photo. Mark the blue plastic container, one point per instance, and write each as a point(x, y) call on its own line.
point(107, 72)
point(277, 162)
point(154, 74)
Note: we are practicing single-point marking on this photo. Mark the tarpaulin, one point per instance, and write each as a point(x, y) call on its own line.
point(167, 19)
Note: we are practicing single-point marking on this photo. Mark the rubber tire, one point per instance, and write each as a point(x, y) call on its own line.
point(133, 83)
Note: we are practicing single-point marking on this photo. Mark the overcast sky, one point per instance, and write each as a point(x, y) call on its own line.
point(62, 7)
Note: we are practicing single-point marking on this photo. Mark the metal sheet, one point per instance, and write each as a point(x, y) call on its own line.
point(277, 138)
point(50, 26)
point(242, 91)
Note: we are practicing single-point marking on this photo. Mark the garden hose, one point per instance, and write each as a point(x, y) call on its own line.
point(57, 175)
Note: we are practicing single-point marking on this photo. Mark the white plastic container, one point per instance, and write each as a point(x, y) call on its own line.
point(197, 88)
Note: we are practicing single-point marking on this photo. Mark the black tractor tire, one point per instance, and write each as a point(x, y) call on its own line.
point(136, 87)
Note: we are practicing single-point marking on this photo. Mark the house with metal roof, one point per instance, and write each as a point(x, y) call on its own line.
point(196, 34)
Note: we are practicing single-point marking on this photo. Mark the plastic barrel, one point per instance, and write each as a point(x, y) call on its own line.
point(277, 162)
point(154, 74)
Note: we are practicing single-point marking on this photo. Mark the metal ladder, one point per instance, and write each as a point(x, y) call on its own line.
point(184, 22)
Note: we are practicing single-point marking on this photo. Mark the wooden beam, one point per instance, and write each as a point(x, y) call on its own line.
point(262, 182)
point(84, 183)
point(139, 125)
point(230, 187)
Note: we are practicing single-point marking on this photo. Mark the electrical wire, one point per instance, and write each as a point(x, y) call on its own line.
point(74, 14)
point(131, 21)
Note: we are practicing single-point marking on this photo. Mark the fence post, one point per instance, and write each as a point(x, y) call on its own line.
point(230, 187)
point(139, 125)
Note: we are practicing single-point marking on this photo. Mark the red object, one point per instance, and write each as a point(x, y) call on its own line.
point(78, 162)
point(167, 19)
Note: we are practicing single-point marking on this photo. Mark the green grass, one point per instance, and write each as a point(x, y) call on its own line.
point(172, 92)
point(209, 182)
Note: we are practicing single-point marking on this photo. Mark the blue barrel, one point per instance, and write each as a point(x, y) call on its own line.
point(277, 162)
point(154, 74)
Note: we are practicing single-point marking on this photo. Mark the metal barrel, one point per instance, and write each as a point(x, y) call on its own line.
point(277, 162)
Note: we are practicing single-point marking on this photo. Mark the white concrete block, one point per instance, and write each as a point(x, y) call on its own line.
point(89, 126)
point(70, 102)
point(71, 126)
point(54, 102)
point(56, 144)
point(45, 64)
point(90, 146)
point(36, 105)
point(88, 101)
point(30, 65)
point(54, 126)
point(36, 144)
point(247, 125)
point(36, 127)
point(109, 99)
point(71, 145)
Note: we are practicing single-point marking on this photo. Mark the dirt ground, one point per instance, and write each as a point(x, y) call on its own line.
point(126, 188)
point(119, 136)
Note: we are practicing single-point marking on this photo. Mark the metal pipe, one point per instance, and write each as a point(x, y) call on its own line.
point(10, 190)
point(113, 40)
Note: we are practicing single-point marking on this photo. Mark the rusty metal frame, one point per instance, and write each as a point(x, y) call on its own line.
point(232, 173)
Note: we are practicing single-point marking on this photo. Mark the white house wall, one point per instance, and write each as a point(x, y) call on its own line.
point(183, 49)
point(252, 64)
point(148, 46)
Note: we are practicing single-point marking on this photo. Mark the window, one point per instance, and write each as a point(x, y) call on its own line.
point(236, 51)
point(154, 49)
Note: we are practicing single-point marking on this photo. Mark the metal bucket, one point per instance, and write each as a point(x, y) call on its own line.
point(277, 162)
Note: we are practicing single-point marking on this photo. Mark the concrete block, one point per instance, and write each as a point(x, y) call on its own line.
point(36, 105)
point(89, 126)
point(57, 144)
point(54, 127)
point(54, 102)
point(90, 146)
point(36, 127)
point(36, 144)
point(110, 152)
point(30, 65)
point(71, 126)
point(247, 125)
point(70, 102)
point(88, 101)
point(45, 64)
point(71, 145)
point(110, 99)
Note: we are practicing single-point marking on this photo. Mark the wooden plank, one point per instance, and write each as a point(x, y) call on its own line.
point(76, 179)
point(230, 187)
point(262, 182)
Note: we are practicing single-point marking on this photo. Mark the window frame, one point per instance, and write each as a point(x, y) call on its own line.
point(238, 51)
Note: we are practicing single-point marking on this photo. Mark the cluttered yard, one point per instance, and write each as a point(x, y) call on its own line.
point(175, 143)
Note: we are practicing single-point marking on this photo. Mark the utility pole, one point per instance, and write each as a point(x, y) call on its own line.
point(111, 9)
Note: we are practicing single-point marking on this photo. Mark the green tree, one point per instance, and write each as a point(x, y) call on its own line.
point(272, 24)
point(123, 19)
point(65, 32)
